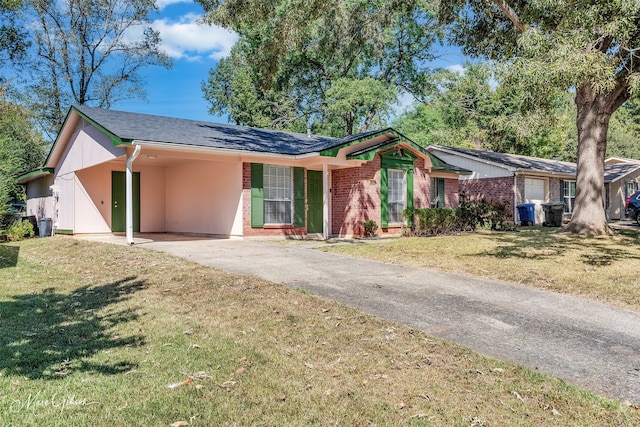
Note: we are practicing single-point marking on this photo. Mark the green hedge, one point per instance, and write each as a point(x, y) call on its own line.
point(468, 217)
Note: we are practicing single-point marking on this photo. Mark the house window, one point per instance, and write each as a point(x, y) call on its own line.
point(437, 192)
point(278, 194)
point(629, 188)
point(569, 191)
point(397, 195)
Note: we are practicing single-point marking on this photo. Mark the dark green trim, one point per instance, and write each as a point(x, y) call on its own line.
point(63, 231)
point(298, 197)
point(410, 195)
point(333, 151)
point(397, 160)
point(34, 174)
point(384, 198)
point(115, 139)
point(393, 159)
point(257, 195)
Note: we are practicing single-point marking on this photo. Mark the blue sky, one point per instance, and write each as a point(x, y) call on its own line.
point(195, 49)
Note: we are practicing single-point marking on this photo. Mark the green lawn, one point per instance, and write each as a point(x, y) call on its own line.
point(94, 334)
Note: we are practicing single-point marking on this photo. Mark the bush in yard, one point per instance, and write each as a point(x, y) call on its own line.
point(468, 217)
point(19, 230)
point(428, 221)
point(481, 213)
point(370, 228)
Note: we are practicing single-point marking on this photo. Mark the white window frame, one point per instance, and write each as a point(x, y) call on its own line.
point(278, 194)
point(396, 195)
point(569, 199)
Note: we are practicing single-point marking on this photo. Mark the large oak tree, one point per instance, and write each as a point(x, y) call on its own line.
point(584, 46)
point(333, 65)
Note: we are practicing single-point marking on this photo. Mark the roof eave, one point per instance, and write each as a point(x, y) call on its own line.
point(33, 175)
point(217, 150)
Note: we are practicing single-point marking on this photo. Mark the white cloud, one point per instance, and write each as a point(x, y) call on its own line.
point(456, 68)
point(164, 3)
point(190, 40)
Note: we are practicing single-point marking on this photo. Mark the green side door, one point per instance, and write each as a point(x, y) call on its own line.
point(119, 202)
point(315, 218)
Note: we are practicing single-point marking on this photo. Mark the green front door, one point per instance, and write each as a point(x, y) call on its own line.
point(119, 202)
point(314, 201)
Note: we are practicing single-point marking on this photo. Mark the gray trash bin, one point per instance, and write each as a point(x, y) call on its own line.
point(44, 225)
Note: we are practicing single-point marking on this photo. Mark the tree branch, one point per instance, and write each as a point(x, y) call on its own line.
point(511, 14)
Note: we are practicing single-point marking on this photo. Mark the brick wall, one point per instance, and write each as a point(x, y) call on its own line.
point(355, 198)
point(497, 190)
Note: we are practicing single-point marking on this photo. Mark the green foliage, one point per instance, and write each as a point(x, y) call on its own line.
point(428, 221)
point(20, 229)
point(470, 215)
point(481, 213)
point(21, 149)
point(470, 109)
point(370, 228)
point(333, 66)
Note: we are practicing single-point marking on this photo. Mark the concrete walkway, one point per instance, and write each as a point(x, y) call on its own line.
point(586, 343)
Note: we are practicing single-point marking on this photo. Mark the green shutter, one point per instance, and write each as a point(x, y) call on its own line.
point(298, 197)
point(410, 194)
point(257, 195)
point(384, 199)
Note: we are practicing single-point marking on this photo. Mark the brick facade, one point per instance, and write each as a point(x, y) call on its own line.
point(497, 190)
point(355, 198)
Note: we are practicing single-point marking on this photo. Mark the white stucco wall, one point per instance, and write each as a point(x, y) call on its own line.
point(204, 197)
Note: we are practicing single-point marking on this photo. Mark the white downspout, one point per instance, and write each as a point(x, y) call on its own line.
point(326, 200)
point(129, 190)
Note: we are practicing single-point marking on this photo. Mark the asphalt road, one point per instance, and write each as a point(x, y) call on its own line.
point(586, 343)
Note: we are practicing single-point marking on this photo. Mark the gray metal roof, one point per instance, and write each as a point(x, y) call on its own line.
point(183, 132)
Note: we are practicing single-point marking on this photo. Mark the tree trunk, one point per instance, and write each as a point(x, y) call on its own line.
point(594, 113)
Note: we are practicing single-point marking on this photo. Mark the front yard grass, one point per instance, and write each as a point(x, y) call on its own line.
point(102, 335)
point(603, 269)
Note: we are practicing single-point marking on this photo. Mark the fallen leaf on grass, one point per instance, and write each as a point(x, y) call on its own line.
point(227, 385)
point(62, 372)
point(180, 383)
point(180, 424)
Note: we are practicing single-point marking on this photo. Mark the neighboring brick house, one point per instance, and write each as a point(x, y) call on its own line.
point(513, 180)
point(112, 171)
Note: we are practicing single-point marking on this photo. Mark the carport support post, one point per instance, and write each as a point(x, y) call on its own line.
point(129, 191)
point(326, 223)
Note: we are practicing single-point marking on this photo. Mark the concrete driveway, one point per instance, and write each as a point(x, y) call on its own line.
point(586, 343)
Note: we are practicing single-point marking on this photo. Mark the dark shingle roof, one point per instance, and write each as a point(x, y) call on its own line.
point(616, 171)
point(612, 172)
point(144, 127)
point(524, 163)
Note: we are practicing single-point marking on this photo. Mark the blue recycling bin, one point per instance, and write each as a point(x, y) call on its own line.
point(527, 213)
